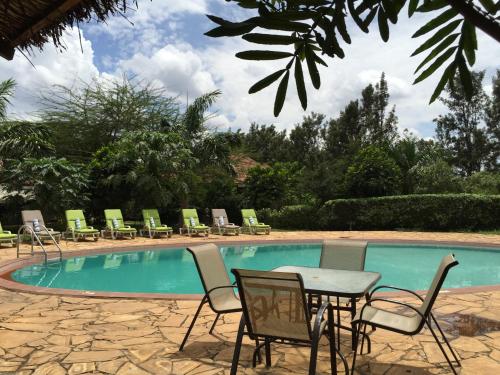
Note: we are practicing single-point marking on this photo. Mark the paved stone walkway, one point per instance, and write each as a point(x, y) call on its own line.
point(42, 334)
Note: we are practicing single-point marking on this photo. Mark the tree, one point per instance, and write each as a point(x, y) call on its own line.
point(6, 91)
point(483, 183)
point(305, 139)
point(24, 139)
point(143, 169)
point(459, 131)
point(97, 113)
point(315, 26)
point(265, 143)
point(373, 173)
point(53, 184)
point(346, 134)
point(436, 177)
point(493, 126)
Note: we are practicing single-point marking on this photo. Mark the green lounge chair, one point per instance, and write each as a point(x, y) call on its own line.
point(191, 223)
point(115, 225)
point(251, 223)
point(153, 225)
point(76, 226)
point(7, 236)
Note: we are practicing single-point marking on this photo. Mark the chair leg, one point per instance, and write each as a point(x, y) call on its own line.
point(214, 323)
point(237, 347)
point(203, 301)
point(442, 349)
point(338, 323)
point(331, 337)
point(314, 355)
point(267, 345)
point(356, 340)
point(446, 340)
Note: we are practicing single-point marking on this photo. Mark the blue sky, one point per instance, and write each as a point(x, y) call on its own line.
point(166, 45)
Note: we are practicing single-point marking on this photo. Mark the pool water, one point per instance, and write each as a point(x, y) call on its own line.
point(174, 271)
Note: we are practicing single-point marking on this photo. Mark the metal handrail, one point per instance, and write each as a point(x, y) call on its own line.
point(34, 236)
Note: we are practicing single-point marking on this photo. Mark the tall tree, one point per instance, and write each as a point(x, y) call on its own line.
point(265, 143)
point(459, 131)
point(305, 139)
point(96, 113)
point(493, 125)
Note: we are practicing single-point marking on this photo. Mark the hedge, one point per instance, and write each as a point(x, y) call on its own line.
point(421, 212)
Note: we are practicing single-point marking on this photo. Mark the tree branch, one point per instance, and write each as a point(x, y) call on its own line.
point(479, 19)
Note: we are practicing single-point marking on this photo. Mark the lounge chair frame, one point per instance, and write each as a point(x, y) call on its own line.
point(314, 333)
point(427, 318)
point(76, 234)
point(215, 256)
point(227, 228)
point(28, 217)
point(12, 239)
point(157, 231)
point(112, 232)
point(253, 228)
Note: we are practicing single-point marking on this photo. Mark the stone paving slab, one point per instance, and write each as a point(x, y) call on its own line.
point(45, 335)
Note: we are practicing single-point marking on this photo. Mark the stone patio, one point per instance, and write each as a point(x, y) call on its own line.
point(42, 334)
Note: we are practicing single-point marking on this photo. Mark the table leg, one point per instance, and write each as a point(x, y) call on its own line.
point(353, 326)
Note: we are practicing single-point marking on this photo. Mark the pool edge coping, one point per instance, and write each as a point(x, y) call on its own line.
point(9, 266)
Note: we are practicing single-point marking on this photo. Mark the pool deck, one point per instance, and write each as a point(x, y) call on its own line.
point(53, 334)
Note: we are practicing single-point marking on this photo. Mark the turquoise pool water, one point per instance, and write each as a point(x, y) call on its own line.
point(174, 271)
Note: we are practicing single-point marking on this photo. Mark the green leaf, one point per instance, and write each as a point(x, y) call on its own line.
point(230, 30)
point(390, 11)
point(383, 27)
point(412, 7)
point(281, 94)
point(369, 18)
point(319, 60)
point(355, 16)
point(299, 82)
point(437, 37)
point(469, 42)
point(284, 25)
point(440, 47)
point(266, 81)
point(340, 22)
point(490, 6)
point(438, 21)
point(436, 64)
point(448, 75)
point(429, 6)
point(270, 39)
point(313, 69)
point(263, 55)
point(250, 4)
point(465, 76)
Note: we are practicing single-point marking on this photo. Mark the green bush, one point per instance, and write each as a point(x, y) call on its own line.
point(444, 212)
point(291, 217)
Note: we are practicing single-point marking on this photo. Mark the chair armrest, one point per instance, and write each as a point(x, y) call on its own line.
point(396, 288)
point(393, 302)
point(221, 287)
point(127, 226)
point(90, 227)
point(325, 306)
point(6, 232)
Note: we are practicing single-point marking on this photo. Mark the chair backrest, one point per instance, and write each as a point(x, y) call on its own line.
point(1, 229)
point(213, 274)
point(111, 214)
point(148, 213)
point(187, 214)
point(447, 263)
point(30, 215)
point(246, 214)
point(217, 213)
point(72, 215)
point(343, 255)
point(274, 304)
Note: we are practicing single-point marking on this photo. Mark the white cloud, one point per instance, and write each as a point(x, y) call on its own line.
point(51, 67)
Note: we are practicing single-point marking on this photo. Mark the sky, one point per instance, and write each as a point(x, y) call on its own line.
point(162, 41)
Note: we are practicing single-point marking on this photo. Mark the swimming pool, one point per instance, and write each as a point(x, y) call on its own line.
point(173, 270)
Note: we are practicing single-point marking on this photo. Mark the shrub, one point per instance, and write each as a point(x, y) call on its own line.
point(483, 183)
point(426, 212)
point(445, 212)
point(291, 217)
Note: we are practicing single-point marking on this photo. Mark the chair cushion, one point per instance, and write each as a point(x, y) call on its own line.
point(86, 230)
point(127, 230)
point(389, 320)
point(6, 236)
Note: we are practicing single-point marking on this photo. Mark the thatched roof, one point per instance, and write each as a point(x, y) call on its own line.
point(25, 24)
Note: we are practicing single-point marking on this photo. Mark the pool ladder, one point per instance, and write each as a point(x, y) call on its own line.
point(28, 230)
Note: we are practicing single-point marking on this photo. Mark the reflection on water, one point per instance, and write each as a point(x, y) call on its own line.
point(468, 325)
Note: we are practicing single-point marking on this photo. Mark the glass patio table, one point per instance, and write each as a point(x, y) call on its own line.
point(336, 283)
